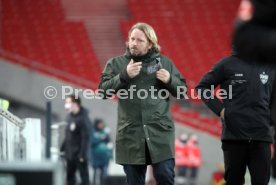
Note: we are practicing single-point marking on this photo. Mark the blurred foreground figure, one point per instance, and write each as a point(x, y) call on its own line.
point(75, 145)
point(247, 114)
point(255, 36)
point(255, 32)
point(145, 131)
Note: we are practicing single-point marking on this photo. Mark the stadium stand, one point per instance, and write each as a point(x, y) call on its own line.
point(194, 34)
point(36, 35)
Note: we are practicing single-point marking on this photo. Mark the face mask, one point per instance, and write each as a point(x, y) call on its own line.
point(68, 107)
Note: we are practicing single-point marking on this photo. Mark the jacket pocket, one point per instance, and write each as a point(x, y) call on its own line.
point(167, 124)
point(123, 125)
point(162, 122)
point(240, 89)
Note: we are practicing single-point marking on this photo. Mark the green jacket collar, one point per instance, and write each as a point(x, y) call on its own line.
point(148, 57)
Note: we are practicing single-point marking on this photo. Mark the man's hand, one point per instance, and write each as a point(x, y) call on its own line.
point(133, 69)
point(222, 114)
point(163, 75)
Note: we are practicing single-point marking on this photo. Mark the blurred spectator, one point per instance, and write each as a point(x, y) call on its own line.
point(194, 158)
point(218, 176)
point(150, 180)
point(101, 152)
point(187, 158)
point(181, 158)
point(4, 104)
point(76, 140)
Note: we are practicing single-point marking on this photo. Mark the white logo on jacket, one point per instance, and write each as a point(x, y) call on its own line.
point(72, 126)
point(264, 78)
point(238, 74)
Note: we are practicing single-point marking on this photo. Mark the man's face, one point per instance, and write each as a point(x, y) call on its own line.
point(138, 43)
point(100, 126)
point(69, 105)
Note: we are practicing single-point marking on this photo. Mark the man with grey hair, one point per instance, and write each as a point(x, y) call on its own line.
point(145, 130)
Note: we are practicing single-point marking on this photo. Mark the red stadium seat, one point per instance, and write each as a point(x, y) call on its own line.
point(195, 34)
point(37, 31)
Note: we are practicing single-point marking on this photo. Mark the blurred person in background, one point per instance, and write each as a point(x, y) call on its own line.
point(75, 145)
point(246, 112)
point(145, 131)
point(217, 176)
point(101, 151)
point(4, 104)
point(187, 158)
point(181, 159)
point(194, 157)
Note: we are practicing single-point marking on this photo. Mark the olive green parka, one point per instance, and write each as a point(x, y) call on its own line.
point(145, 119)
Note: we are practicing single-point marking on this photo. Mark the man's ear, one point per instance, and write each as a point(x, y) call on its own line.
point(150, 46)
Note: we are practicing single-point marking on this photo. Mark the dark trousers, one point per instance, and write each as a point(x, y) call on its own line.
point(189, 173)
point(72, 167)
point(239, 155)
point(100, 173)
point(163, 173)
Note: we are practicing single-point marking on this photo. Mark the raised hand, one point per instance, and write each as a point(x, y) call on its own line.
point(133, 68)
point(163, 75)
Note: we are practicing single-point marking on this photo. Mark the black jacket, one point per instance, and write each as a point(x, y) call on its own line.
point(250, 112)
point(76, 139)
